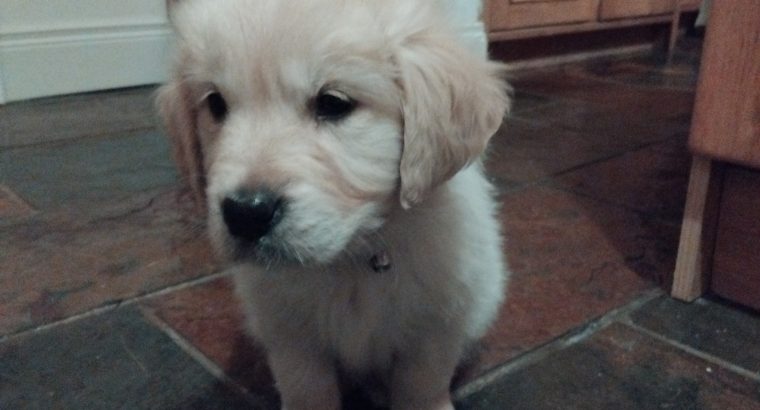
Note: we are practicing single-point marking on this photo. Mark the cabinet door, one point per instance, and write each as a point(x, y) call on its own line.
point(515, 14)
point(736, 263)
point(620, 9)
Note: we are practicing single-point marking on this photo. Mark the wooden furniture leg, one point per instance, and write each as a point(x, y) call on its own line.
point(692, 273)
point(674, 28)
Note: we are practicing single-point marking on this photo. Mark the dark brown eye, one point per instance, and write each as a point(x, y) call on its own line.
point(217, 106)
point(333, 106)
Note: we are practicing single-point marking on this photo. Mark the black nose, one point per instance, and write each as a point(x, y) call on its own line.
point(249, 215)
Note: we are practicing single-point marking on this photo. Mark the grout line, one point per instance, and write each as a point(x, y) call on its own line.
point(570, 338)
point(113, 306)
point(630, 51)
point(623, 151)
point(204, 361)
point(755, 376)
point(27, 209)
point(61, 322)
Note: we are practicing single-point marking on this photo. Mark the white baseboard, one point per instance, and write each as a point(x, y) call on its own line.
point(71, 61)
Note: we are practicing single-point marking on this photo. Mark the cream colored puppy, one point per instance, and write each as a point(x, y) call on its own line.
point(335, 145)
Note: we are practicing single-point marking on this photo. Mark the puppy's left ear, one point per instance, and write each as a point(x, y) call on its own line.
point(453, 102)
point(178, 112)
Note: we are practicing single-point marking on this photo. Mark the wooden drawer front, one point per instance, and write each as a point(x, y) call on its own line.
point(690, 5)
point(621, 9)
point(736, 263)
point(514, 14)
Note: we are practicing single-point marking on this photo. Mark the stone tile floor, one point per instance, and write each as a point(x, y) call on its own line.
point(109, 296)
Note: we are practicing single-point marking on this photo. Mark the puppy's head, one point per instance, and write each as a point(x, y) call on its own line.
point(301, 125)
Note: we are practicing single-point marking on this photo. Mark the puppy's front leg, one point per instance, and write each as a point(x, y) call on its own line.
point(305, 379)
point(421, 378)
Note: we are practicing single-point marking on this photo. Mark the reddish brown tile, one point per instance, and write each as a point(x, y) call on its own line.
point(651, 180)
point(68, 262)
point(572, 259)
point(11, 206)
point(618, 368)
point(210, 318)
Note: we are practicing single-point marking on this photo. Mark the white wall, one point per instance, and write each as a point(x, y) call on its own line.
point(66, 46)
point(51, 47)
point(467, 14)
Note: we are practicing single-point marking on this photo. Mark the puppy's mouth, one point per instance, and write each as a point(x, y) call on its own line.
point(268, 250)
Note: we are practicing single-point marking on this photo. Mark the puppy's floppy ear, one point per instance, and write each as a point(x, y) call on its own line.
point(454, 101)
point(179, 114)
point(170, 4)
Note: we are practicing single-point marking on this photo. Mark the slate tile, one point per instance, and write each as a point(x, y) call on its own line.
point(618, 368)
point(59, 264)
point(723, 331)
point(116, 360)
point(210, 318)
point(87, 173)
point(652, 180)
point(574, 85)
point(523, 101)
point(76, 116)
point(525, 151)
point(572, 259)
point(644, 72)
point(627, 126)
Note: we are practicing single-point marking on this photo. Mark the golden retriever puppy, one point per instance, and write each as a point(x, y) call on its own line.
point(335, 145)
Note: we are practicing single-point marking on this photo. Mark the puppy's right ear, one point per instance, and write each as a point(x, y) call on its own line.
point(171, 6)
point(179, 115)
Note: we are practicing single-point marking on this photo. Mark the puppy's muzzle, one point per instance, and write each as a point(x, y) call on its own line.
point(251, 214)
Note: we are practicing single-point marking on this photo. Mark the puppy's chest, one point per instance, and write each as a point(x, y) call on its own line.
point(360, 320)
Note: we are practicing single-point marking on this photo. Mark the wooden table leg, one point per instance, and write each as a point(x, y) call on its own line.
point(692, 273)
point(674, 30)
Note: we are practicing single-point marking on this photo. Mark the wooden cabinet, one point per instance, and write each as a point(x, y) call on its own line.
point(514, 14)
point(515, 19)
point(720, 237)
point(619, 9)
point(736, 262)
point(727, 112)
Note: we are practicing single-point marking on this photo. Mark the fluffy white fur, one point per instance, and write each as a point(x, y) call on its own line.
point(400, 175)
